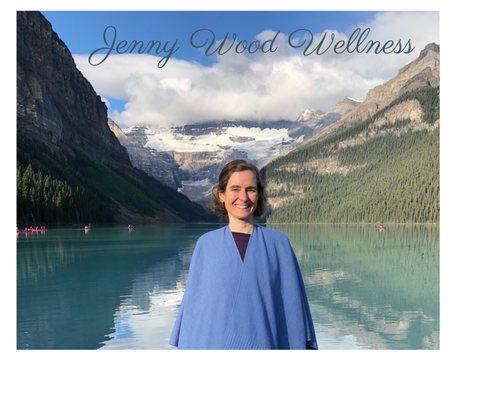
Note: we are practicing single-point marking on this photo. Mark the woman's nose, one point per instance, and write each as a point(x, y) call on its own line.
point(243, 195)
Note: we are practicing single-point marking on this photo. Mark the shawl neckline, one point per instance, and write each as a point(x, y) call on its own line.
point(233, 247)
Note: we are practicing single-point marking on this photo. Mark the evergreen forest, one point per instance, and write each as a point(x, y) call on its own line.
point(393, 176)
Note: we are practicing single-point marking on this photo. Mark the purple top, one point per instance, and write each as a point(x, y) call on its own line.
point(241, 240)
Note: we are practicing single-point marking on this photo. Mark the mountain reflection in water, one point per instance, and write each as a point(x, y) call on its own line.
point(115, 288)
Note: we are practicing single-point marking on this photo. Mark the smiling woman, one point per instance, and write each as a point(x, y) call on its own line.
point(240, 195)
point(245, 288)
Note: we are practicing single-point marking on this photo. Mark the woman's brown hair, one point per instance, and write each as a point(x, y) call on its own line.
point(230, 168)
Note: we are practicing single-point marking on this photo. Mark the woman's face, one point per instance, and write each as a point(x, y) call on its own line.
point(240, 197)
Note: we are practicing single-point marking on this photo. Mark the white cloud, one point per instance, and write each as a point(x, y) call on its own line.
point(266, 86)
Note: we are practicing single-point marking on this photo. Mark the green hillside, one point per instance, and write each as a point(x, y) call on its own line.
point(74, 188)
point(393, 177)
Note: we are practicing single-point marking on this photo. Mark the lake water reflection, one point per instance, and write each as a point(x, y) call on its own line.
point(118, 289)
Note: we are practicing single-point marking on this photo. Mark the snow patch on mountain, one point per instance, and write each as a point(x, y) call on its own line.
point(255, 142)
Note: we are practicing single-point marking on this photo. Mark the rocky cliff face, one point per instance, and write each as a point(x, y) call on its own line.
point(56, 105)
point(63, 132)
point(159, 165)
point(116, 129)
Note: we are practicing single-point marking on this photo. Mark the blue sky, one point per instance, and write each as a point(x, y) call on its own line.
point(193, 87)
point(82, 30)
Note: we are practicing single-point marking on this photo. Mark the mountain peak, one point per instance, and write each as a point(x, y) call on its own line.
point(345, 106)
point(309, 114)
point(421, 72)
point(430, 47)
point(428, 57)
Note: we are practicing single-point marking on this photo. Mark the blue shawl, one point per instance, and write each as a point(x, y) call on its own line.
point(258, 303)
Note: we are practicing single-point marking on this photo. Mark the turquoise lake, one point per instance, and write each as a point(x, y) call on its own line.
point(112, 288)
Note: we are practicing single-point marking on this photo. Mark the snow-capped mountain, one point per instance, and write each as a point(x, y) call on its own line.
point(194, 154)
point(254, 142)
